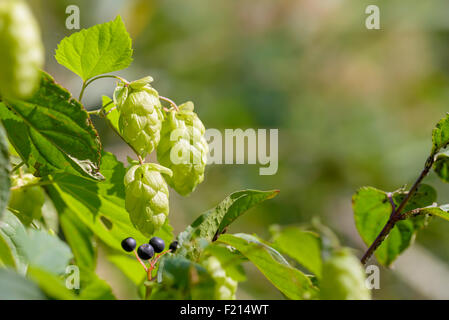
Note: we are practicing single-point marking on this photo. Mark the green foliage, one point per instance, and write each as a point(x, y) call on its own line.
point(441, 166)
point(290, 281)
point(303, 246)
point(16, 287)
point(26, 201)
point(440, 135)
point(22, 53)
point(99, 206)
point(52, 132)
point(372, 210)
point(147, 197)
point(100, 49)
point(4, 172)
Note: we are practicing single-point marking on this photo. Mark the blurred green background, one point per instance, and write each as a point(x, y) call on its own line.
point(353, 107)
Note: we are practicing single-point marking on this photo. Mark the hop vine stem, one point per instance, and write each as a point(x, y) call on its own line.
point(396, 212)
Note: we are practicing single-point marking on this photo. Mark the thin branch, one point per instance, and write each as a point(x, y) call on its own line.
point(396, 213)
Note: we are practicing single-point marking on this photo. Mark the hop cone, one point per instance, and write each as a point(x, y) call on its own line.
point(147, 197)
point(225, 287)
point(343, 278)
point(183, 149)
point(21, 53)
point(27, 202)
point(141, 117)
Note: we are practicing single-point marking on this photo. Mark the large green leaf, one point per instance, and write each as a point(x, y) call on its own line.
point(440, 134)
point(51, 285)
point(31, 247)
point(4, 171)
point(13, 232)
point(441, 166)
point(6, 254)
point(101, 205)
point(303, 246)
point(52, 132)
point(372, 209)
point(79, 237)
point(211, 223)
point(100, 49)
point(290, 281)
point(16, 287)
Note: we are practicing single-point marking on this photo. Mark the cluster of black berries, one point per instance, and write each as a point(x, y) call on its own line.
point(146, 251)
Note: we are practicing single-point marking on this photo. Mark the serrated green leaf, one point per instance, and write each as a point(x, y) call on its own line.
point(230, 260)
point(440, 135)
point(52, 132)
point(4, 171)
point(372, 210)
point(13, 231)
point(290, 281)
point(100, 49)
point(214, 221)
point(440, 211)
point(441, 166)
point(302, 246)
point(16, 287)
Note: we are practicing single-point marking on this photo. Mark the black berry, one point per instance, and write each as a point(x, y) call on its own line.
point(173, 246)
point(145, 251)
point(158, 244)
point(129, 244)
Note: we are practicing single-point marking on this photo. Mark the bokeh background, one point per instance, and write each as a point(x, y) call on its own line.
point(353, 107)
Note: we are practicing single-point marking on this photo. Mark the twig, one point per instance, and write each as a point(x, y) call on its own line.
point(396, 213)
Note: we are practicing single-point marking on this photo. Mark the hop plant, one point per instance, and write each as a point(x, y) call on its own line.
point(183, 149)
point(225, 287)
point(343, 278)
point(27, 201)
point(141, 117)
point(22, 53)
point(147, 196)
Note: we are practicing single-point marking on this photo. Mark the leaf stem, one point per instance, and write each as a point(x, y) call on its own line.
point(18, 166)
point(396, 212)
point(89, 81)
point(171, 102)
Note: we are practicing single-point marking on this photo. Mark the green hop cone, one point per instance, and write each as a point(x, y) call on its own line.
point(22, 52)
point(344, 278)
point(225, 287)
point(26, 202)
point(147, 197)
point(183, 149)
point(141, 116)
